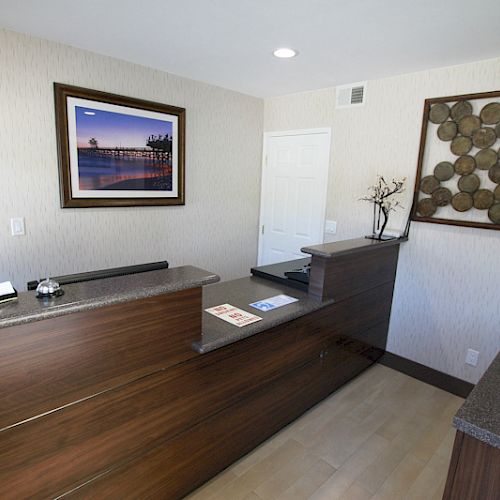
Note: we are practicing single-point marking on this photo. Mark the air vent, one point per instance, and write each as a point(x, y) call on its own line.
point(351, 95)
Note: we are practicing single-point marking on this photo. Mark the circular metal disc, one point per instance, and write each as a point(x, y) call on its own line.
point(426, 207)
point(429, 184)
point(494, 173)
point(461, 145)
point(469, 124)
point(496, 193)
point(447, 131)
point(490, 114)
point(483, 199)
point(465, 165)
point(486, 158)
point(444, 171)
point(469, 183)
point(439, 113)
point(462, 202)
point(441, 197)
point(484, 138)
point(494, 213)
point(461, 109)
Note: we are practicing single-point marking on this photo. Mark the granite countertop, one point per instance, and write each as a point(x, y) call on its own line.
point(479, 416)
point(241, 292)
point(345, 247)
point(102, 292)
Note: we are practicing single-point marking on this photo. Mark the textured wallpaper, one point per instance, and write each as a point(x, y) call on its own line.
point(446, 298)
point(217, 228)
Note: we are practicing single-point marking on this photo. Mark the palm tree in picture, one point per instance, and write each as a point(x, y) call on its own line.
point(93, 142)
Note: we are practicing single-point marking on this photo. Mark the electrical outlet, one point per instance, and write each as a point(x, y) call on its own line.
point(472, 356)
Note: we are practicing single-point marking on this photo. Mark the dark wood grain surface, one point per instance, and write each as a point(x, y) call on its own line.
point(77, 443)
point(147, 417)
point(54, 362)
point(474, 472)
point(426, 374)
point(174, 468)
point(342, 277)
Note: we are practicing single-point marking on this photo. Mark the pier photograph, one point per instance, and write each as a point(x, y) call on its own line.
point(123, 152)
point(118, 151)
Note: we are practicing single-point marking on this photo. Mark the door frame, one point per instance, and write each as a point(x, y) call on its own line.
point(281, 133)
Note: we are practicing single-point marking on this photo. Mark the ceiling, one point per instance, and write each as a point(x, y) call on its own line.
point(230, 42)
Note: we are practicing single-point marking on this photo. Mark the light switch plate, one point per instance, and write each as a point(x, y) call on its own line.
point(330, 227)
point(17, 226)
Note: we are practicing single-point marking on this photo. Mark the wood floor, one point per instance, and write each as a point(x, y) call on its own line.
point(384, 435)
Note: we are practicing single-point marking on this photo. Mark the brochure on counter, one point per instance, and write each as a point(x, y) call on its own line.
point(7, 292)
point(233, 315)
point(273, 302)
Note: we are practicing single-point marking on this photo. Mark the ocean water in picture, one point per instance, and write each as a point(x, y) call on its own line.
point(123, 173)
point(123, 152)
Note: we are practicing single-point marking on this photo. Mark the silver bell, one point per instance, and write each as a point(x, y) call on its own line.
point(48, 288)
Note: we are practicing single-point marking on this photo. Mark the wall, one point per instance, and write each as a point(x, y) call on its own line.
point(446, 295)
point(216, 229)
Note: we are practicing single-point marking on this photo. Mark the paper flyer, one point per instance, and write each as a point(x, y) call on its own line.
point(273, 302)
point(233, 315)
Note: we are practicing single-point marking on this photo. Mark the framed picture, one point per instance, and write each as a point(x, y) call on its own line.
point(115, 151)
point(458, 174)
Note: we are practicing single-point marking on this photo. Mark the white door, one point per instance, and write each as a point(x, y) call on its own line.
point(293, 199)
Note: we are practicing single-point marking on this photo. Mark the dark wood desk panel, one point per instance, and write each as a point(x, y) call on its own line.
point(54, 362)
point(79, 442)
point(176, 467)
point(149, 416)
point(474, 470)
point(342, 277)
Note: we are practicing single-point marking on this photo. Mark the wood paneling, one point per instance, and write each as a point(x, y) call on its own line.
point(348, 355)
point(79, 442)
point(368, 432)
point(346, 275)
point(474, 470)
point(50, 363)
point(362, 311)
point(150, 417)
point(173, 469)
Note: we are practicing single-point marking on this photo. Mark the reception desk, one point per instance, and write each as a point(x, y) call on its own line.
point(124, 387)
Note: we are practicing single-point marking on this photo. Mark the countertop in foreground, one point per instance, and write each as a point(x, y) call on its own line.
point(479, 416)
point(240, 293)
point(103, 292)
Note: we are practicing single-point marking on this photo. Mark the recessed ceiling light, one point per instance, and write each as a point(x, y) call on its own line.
point(285, 53)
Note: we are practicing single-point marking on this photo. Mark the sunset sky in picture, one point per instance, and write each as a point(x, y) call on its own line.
point(116, 129)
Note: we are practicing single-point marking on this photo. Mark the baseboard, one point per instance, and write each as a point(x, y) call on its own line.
point(428, 375)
